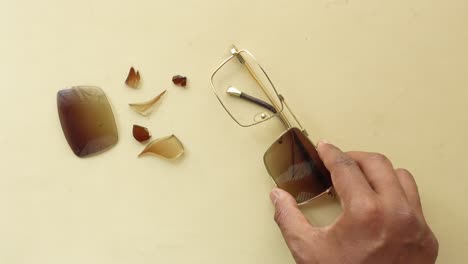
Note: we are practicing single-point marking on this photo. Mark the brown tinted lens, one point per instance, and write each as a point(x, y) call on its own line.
point(295, 166)
point(87, 119)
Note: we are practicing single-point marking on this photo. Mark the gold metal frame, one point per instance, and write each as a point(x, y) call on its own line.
point(287, 123)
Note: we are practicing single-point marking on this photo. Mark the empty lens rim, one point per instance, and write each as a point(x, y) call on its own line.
point(268, 77)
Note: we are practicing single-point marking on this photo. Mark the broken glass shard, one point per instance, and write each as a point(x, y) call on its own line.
point(179, 80)
point(87, 119)
point(133, 78)
point(141, 133)
point(167, 147)
point(146, 108)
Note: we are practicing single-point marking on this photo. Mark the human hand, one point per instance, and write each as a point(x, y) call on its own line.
point(382, 219)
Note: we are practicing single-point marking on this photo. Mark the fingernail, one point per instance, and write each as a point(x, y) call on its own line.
point(275, 195)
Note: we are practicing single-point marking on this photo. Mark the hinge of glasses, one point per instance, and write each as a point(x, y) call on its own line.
point(235, 52)
point(305, 132)
point(281, 97)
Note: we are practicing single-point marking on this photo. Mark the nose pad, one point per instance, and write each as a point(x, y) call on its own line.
point(261, 116)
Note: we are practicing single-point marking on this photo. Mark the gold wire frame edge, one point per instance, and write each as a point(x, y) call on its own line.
point(263, 70)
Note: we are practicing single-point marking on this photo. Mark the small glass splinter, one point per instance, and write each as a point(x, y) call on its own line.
point(133, 78)
point(145, 108)
point(140, 133)
point(235, 92)
point(167, 147)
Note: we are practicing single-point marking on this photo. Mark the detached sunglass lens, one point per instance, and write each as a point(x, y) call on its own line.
point(295, 166)
point(87, 120)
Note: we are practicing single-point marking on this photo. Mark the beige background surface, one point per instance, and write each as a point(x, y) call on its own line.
point(387, 76)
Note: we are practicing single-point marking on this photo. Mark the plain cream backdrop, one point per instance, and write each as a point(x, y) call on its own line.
point(387, 76)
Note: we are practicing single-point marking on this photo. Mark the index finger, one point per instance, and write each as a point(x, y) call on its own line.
point(348, 179)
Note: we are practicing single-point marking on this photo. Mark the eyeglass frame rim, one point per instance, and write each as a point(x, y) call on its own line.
point(281, 98)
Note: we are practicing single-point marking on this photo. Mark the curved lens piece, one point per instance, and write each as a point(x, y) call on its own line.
point(167, 147)
point(295, 166)
point(87, 120)
point(146, 108)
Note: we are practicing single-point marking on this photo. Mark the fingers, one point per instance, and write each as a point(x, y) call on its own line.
point(348, 179)
point(410, 188)
point(379, 171)
point(290, 220)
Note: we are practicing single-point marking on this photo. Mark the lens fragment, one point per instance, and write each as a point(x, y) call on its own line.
point(87, 120)
point(133, 78)
point(140, 133)
point(167, 147)
point(146, 108)
point(179, 80)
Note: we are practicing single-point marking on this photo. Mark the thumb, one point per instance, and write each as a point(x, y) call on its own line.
point(289, 218)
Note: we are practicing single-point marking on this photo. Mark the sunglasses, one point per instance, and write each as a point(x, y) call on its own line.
point(248, 95)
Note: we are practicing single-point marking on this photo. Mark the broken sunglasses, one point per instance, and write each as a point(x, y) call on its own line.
point(248, 95)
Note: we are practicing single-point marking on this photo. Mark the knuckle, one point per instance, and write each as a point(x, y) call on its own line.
point(368, 214)
point(344, 160)
point(403, 172)
point(430, 245)
point(368, 210)
point(434, 245)
point(371, 209)
point(408, 219)
point(380, 158)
